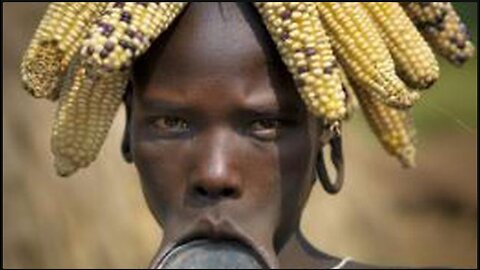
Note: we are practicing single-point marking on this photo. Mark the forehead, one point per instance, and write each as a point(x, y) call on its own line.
point(215, 49)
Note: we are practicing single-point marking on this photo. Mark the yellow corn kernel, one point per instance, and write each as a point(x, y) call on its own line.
point(56, 40)
point(306, 51)
point(86, 109)
point(442, 28)
point(362, 52)
point(415, 62)
point(125, 31)
point(393, 128)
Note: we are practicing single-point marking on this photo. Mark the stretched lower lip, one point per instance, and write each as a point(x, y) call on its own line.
point(212, 254)
point(215, 232)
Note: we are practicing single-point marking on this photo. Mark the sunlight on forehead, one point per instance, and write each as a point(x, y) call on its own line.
point(218, 51)
point(211, 38)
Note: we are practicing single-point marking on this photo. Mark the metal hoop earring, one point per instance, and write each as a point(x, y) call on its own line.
point(336, 155)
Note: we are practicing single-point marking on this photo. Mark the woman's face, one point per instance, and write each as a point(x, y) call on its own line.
point(218, 133)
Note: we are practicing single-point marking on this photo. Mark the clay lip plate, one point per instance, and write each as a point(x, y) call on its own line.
point(211, 254)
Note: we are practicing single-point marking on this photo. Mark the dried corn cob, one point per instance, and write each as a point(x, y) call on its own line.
point(362, 52)
point(55, 42)
point(414, 61)
point(442, 28)
point(305, 49)
point(393, 128)
point(125, 31)
point(85, 112)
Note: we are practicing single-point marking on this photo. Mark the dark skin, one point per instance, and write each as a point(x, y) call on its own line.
point(220, 137)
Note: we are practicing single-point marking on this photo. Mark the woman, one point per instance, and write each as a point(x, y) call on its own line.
point(217, 127)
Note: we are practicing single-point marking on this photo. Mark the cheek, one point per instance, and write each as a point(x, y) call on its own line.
point(296, 166)
point(161, 173)
point(262, 176)
point(297, 159)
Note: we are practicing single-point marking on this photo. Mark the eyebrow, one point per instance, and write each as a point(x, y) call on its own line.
point(164, 105)
point(270, 107)
point(268, 110)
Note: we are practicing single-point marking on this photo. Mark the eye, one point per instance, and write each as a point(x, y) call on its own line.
point(266, 129)
point(170, 125)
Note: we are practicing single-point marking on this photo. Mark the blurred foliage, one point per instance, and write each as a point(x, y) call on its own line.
point(452, 102)
point(469, 11)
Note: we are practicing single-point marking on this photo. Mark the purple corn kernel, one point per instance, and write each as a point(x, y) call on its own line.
point(119, 4)
point(284, 36)
point(286, 15)
point(126, 17)
point(328, 70)
point(104, 54)
point(106, 29)
point(109, 46)
point(310, 51)
point(90, 50)
point(302, 70)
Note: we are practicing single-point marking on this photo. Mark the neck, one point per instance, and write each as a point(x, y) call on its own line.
point(300, 253)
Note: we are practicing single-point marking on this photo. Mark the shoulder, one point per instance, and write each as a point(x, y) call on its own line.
point(300, 253)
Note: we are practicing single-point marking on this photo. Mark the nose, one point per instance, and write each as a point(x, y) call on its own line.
point(215, 176)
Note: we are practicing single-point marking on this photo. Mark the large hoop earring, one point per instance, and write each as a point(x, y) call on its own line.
point(336, 155)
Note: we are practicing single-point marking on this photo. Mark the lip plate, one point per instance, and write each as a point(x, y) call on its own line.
point(226, 254)
point(207, 228)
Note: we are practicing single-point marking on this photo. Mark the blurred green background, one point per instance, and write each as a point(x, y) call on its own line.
point(451, 103)
point(426, 216)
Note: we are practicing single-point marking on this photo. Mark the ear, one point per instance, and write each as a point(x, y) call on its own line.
point(127, 100)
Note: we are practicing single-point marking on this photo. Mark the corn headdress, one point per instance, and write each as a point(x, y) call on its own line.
point(377, 54)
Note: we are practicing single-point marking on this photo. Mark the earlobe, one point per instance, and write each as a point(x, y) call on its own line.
point(326, 133)
point(126, 149)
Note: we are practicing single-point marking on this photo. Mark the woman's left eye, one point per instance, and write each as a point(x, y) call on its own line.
point(266, 129)
point(170, 125)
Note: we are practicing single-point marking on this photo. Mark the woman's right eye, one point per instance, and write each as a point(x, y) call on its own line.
point(266, 129)
point(170, 125)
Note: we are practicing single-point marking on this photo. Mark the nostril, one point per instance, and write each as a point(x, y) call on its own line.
point(227, 192)
point(201, 191)
point(204, 192)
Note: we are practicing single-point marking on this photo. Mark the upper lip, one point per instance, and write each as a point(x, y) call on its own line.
point(206, 228)
point(209, 228)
